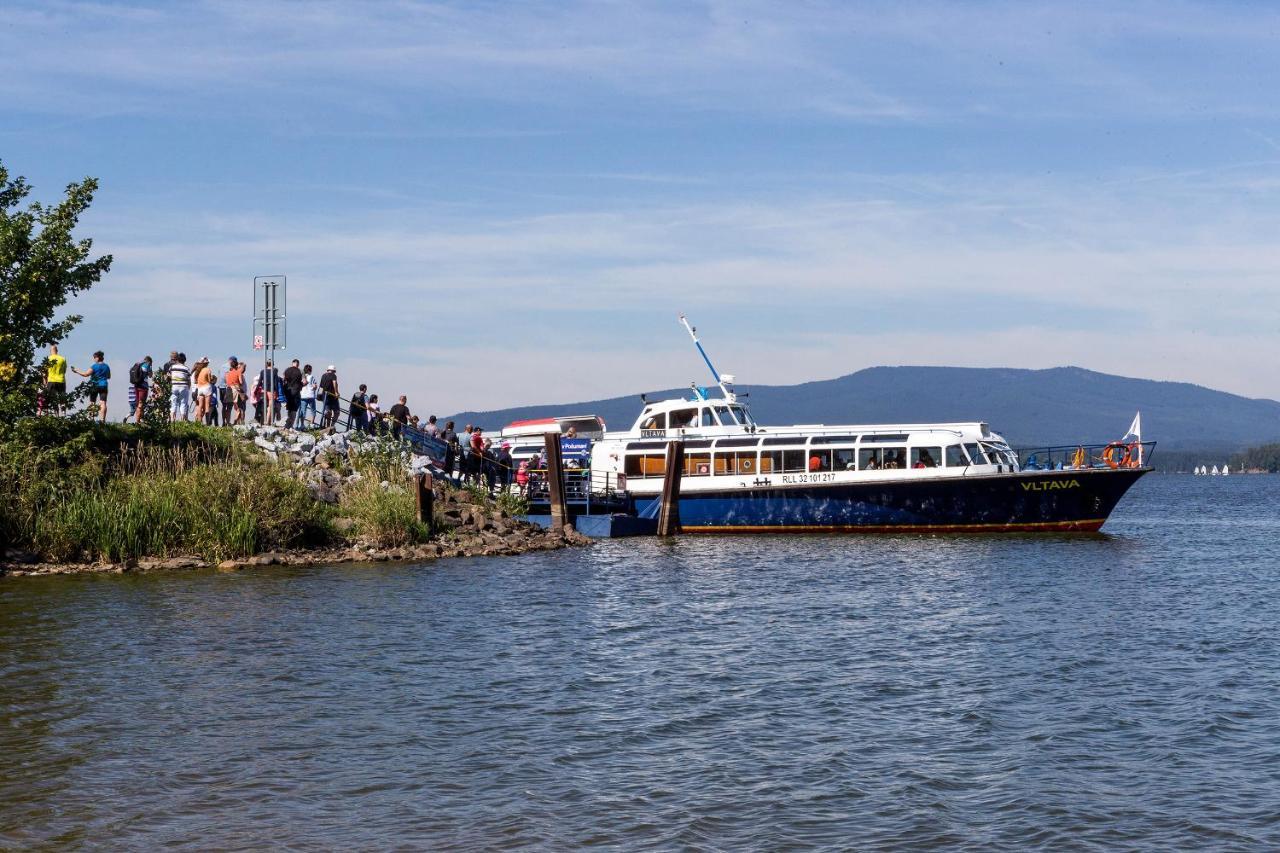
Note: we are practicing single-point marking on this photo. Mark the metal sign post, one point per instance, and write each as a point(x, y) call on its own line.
point(268, 328)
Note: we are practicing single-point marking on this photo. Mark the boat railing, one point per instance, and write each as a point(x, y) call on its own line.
point(581, 485)
point(1078, 457)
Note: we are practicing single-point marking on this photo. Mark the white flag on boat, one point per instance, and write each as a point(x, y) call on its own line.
point(1135, 434)
point(1135, 428)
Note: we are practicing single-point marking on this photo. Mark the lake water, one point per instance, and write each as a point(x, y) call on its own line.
point(1107, 692)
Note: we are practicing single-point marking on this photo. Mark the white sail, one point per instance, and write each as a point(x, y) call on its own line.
point(1215, 472)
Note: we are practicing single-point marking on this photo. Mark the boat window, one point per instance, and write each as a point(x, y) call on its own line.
point(925, 457)
point(834, 439)
point(778, 442)
point(819, 460)
point(894, 457)
point(747, 462)
point(729, 415)
point(646, 445)
point(870, 459)
point(956, 457)
point(737, 442)
point(683, 418)
point(883, 439)
point(689, 445)
point(725, 463)
point(658, 421)
point(583, 426)
point(999, 453)
point(646, 465)
point(846, 458)
point(709, 418)
point(770, 461)
point(793, 460)
point(975, 454)
point(697, 464)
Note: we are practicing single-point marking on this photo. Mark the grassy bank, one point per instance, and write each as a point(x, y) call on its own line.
point(77, 492)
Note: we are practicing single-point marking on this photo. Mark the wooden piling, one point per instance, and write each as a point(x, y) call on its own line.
point(555, 482)
point(425, 498)
point(669, 514)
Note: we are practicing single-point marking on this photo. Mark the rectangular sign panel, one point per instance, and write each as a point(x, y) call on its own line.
point(269, 311)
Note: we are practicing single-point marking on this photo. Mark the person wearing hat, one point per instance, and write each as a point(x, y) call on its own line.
point(503, 462)
point(332, 400)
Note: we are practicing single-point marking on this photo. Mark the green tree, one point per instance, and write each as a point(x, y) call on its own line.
point(41, 267)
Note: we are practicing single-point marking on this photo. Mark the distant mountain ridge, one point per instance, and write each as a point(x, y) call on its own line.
point(1061, 405)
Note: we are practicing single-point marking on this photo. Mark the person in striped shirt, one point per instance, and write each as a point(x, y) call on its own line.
point(179, 388)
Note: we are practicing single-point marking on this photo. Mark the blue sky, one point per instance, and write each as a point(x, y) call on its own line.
point(486, 204)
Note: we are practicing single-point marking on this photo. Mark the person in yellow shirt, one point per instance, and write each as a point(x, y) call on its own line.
point(55, 382)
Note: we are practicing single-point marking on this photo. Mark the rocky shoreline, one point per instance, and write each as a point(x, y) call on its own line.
point(481, 544)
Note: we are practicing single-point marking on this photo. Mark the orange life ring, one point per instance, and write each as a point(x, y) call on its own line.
point(1109, 455)
point(1132, 455)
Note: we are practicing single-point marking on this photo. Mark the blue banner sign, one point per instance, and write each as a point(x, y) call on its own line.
point(575, 448)
point(433, 448)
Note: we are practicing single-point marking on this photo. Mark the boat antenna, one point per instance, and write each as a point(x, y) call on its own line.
point(725, 381)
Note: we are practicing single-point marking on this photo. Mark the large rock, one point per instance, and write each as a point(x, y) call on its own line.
point(323, 493)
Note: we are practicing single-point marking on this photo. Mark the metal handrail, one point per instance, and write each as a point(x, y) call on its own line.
point(1076, 457)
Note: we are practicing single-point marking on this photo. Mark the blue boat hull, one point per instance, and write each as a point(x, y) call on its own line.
point(1068, 501)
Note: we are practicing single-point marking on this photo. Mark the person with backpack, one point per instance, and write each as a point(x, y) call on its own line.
point(358, 410)
point(291, 387)
point(226, 397)
point(235, 385)
point(140, 383)
point(332, 400)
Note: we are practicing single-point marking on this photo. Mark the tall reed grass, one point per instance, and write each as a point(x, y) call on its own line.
point(191, 496)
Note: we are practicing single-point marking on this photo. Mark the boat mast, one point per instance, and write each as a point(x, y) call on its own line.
point(723, 380)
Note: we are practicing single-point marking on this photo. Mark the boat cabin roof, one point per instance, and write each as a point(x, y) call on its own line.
point(692, 416)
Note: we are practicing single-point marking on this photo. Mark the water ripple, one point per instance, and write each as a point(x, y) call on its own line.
point(1103, 692)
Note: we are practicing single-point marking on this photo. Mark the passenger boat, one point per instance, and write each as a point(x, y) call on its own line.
point(741, 476)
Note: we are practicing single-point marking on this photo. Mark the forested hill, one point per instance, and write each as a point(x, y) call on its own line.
point(1063, 405)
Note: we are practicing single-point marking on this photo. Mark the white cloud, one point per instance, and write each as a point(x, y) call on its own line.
point(865, 62)
point(1031, 274)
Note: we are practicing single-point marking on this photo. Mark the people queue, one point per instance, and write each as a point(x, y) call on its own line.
point(296, 398)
